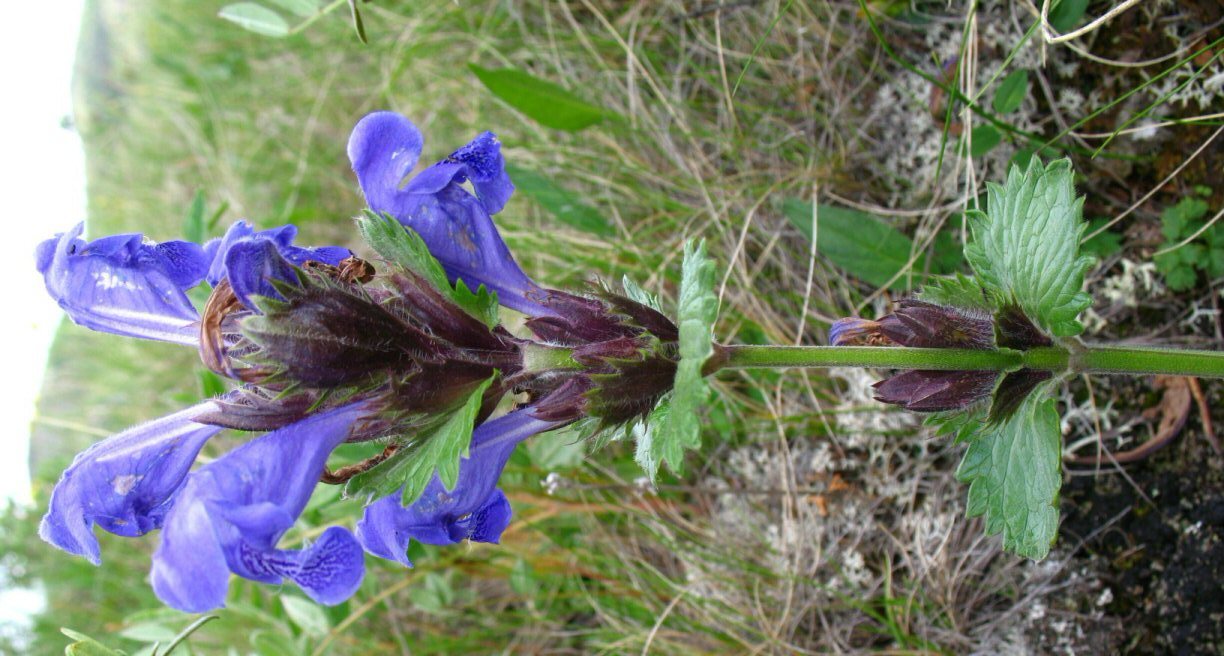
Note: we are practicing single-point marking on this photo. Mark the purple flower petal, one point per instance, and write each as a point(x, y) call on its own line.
point(479, 162)
point(218, 250)
point(124, 285)
point(475, 510)
point(125, 483)
point(231, 513)
point(455, 225)
point(252, 264)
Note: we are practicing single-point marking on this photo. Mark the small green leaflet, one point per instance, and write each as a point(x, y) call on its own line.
point(548, 104)
point(635, 293)
point(957, 290)
point(307, 615)
point(1066, 14)
point(1010, 94)
point(84, 645)
point(255, 18)
point(563, 204)
point(1014, 473)
point(680, 427)
point(1026, 246)
point(436, 448)
point(402, 246)
point(984, 139)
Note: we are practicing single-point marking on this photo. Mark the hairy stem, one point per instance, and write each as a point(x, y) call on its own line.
point(1092, 359)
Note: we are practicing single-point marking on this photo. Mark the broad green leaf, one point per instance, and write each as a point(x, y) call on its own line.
point(697, 310)
point(561, 203)
point(1066, 14)
point(437, 448)
point(256, 18)
point(1026, 246)
point(544, 102)
point(1014, 473)
point(303, 8)
point(864, 246)
point(985, 138)
point(1010, 94)
point(84, 645)
point(401, 246)
point(307, 615)
point(957, 290)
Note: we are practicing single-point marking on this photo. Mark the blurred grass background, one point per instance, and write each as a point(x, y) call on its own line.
point(814, 521)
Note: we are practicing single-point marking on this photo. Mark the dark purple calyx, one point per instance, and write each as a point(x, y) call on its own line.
point(920, 324)
point(627, 352)
point(339, 334)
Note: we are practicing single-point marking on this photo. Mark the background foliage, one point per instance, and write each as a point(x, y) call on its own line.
point(829, 157)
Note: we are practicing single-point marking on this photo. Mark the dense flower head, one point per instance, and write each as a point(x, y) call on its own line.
point(323, 348)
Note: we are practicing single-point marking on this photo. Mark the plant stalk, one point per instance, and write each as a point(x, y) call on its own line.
point(1093, 359)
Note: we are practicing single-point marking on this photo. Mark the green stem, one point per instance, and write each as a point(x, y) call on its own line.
point(1149, 360)
point(1092, 359)
point(885, 357)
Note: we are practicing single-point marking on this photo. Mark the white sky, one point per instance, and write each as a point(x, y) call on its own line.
point(42, 188)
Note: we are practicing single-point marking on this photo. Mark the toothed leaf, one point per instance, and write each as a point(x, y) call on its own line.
point(679, 428)
point(1013, 471)
point(1026, 246)
point(401, 246)
point(438, 448)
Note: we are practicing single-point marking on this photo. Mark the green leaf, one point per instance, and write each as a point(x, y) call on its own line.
point(864, 246)
point(680, 428)
point(256, 18)
point(307, 615)
point(544, 102)
point(1067, 14)
point(194, 228)
point(985, 138)
point(635, 293)
point(1105, 243)
point(555, 450)
point(401, 246)
point(437, 448)
point(148, 632)
point(957, 290)
point(302, 8)
point(565, 206)
point(84, 645)
point(961, 424)
point(267, 643)
point(522, 579)
point(1010, 94)
point(1181, 220)
point(1014, 473)
point(1026, 247)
